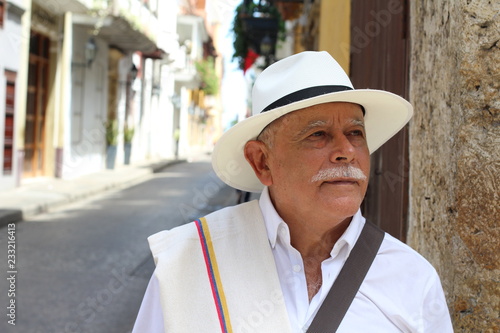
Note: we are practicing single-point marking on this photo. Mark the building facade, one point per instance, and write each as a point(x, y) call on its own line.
point(12, 44)
point(96, 84)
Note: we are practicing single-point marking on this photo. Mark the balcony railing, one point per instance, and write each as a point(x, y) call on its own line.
point(136, 12)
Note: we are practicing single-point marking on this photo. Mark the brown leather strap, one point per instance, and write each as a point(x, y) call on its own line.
point(347, 284)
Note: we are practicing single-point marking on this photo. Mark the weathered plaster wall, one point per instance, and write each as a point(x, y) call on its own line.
point(455, 153)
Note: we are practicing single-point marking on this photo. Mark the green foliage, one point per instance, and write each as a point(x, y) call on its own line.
point(128, 134)
point(111, 132)
point(241, 42)
point(209, 78)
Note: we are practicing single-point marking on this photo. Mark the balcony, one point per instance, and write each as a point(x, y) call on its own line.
point(59, 7)
point(131, 25)
point(192, 34)
point(126, 24)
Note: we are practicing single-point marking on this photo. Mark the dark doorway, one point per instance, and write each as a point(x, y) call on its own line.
point(380, 60)
point(34, 137)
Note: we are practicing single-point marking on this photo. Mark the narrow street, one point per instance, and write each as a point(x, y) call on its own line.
point(84, 268)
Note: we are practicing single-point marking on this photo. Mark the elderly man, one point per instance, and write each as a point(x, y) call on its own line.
point(289, 262)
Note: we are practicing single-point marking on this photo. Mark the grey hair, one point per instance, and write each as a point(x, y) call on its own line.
point(269, 132)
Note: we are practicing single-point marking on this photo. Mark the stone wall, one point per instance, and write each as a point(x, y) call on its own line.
point(455, 153)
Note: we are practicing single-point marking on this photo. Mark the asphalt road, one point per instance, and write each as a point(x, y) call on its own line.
point(84, 268)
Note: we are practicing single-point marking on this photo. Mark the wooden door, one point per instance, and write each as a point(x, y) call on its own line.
point(34, 136)
point(380, 60)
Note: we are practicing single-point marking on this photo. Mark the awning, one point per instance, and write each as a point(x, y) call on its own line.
point(120, 33)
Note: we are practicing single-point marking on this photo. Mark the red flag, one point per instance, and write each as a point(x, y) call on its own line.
point(249, 60)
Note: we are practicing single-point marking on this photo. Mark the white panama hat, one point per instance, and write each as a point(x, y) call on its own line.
point(297, 82)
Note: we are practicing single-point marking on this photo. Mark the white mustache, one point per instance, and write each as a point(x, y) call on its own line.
point(343, 171)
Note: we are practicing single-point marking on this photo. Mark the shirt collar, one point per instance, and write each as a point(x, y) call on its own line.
point(271, 218)
point(273, 223)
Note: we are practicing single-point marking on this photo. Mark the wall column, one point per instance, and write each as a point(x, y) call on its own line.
point(454, 155)
point(22, 91)
point(63, 87)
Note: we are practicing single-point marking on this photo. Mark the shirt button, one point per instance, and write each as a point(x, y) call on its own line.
point(297, 268)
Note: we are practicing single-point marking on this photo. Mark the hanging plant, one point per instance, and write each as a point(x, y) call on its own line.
point(209, 78)
point(247, 15)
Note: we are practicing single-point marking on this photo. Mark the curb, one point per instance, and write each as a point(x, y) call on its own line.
point(90, 185)
point(8, 216)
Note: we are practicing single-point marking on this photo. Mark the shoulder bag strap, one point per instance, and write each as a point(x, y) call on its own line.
point(347, 284)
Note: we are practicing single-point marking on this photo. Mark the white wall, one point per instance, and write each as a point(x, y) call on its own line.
point(10, 55)
point(84, 148)
point(163, 142)
point(142, 117)
point(125, 65)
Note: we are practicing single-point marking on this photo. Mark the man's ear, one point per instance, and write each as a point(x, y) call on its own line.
point(256, 153)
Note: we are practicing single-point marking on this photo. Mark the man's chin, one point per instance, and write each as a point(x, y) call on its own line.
point(346, 205)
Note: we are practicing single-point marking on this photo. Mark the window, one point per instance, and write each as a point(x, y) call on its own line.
point(3, 6)
point(8, 148)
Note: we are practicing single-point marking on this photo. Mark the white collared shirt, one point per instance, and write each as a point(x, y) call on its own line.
point(401, 292)
point(414, 302)
point(291, 267)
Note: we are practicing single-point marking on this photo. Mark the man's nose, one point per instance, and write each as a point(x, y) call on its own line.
point(342, 149)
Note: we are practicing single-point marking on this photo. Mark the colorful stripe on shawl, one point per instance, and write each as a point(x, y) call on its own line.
point(213, 274)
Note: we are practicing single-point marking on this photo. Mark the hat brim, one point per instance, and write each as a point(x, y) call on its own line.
point(385, 114)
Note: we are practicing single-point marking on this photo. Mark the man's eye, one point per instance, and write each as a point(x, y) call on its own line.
point(357, 133)
point(318, 133)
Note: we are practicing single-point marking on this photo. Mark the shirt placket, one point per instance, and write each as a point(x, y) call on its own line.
point(296, 276)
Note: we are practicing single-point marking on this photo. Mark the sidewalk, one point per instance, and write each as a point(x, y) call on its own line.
point(40, 195)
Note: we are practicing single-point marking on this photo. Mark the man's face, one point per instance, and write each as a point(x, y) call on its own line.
point(319, 162)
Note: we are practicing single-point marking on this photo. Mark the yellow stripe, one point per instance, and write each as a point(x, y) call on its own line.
point(215, 268)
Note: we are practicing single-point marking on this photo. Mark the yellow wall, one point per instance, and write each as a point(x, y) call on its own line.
point(22, 79)
point(334, 32)
point(49, 157)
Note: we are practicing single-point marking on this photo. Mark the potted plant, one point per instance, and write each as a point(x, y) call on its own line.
point(111, 127)
point(128, 135)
